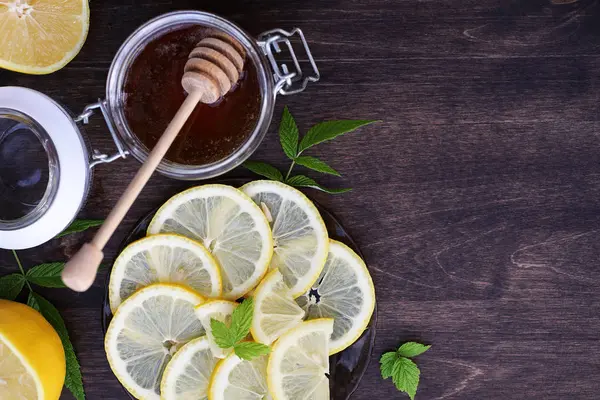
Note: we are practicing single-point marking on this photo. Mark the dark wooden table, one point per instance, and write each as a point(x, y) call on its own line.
point(476, 201)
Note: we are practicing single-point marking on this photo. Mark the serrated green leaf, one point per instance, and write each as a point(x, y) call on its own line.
point(221, 333)
point(288, 134)
point(329, 130)
point(305, 181)
point(47, 275)
point(264, 169)
point(316, 165)
point(80, 225)
point(250, 350)
point(10, 286)
point(386, 364)
point(412, 349)
point(73, 380)
point(241, 319)
point(405, 375)
point(32, 302)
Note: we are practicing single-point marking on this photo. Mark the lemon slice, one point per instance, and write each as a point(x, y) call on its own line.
point(220, 310)
point(299, 362)
point(275, 311)
point(148, 328)
point(344, 292)
point(229, 225)
point(234, 378)
point(300, 237)
point(41, 36)
point(163, 259)
point(32, 359)
point(188, 373)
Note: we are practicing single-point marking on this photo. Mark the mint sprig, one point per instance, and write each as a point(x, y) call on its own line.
point(233, 336)
point(289, 134)
point(329, 130)
point(316, 165)
point(250, 350)
point(73, 380)
point(264, 169)
point(11, 285)
point(80, 225)
point(294, 147)
point(305, 181)
point(49, 275)
point(404, 372)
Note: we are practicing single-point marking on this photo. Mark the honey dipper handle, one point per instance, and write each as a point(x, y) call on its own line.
point(80, 271)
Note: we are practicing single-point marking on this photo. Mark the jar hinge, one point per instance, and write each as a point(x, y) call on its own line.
point(97, 156)
point(287, 81)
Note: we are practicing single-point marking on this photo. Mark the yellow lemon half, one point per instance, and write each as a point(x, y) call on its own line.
point(41, 36)
point(32, 359)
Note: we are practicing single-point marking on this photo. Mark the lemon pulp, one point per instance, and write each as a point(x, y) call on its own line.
point(41, 36)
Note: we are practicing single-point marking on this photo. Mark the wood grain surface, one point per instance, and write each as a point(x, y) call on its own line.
point(476, 201)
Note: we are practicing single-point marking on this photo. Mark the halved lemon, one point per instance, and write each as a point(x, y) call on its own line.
point(163, 259)
point(188, 373)
point(41, 36)
point(229, 225)
point(275, 311)
point(344, 292)
point(234, 378)
point(220, 310)
point(299, 362)
point(32, 359)
point(300, 237)
point(147, 330)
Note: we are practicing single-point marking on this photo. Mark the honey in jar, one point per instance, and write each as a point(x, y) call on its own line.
point(153, 94)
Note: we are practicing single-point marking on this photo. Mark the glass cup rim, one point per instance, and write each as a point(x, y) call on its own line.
point(53, 170)
point(129, 51)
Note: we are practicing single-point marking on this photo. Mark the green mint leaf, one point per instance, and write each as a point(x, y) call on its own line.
point(250, 350)
point(412, 349)
point(305, 181)
point(264, 169)
point(241, 319)
point(222, 334)
point(405, 376)
point(47, 275)
point(80, 225)
point(329, 130)
point(316, 165)
point(386, 364)
point(10, 286)
point(288, 134)
point(73, 380)
point(32, 302)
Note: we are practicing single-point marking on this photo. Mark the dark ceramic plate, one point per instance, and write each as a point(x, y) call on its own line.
point(347, 367)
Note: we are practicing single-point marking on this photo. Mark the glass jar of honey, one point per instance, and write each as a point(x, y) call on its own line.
point(39, 198)
point(143, 93)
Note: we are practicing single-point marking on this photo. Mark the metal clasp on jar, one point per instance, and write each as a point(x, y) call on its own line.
point(97, 156)
point(287, 80)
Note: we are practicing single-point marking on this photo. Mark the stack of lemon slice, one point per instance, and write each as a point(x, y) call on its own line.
point(209, 246)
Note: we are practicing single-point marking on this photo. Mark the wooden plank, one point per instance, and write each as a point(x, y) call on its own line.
point(475, 200)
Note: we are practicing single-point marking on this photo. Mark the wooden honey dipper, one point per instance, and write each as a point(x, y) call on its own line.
point(213, 68)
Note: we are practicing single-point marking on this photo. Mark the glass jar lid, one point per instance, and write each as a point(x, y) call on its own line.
point(44, 168)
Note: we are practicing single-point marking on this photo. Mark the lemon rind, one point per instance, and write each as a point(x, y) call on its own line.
point(259, 293)
point(324, 324)
point(110, 336)
point(118, 270)
point(311, 211)
point(69, 56)
point(201, 341)
point(264, 261)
